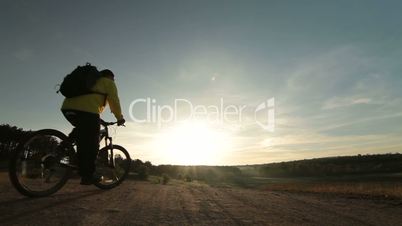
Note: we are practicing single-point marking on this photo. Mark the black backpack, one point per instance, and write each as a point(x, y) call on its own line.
point(80, 81)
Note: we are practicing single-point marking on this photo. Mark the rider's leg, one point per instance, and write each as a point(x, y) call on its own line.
point(87, 143)
point(72, 116)
point(86, 136)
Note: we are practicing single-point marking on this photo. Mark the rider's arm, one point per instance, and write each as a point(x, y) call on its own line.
point(113, 99)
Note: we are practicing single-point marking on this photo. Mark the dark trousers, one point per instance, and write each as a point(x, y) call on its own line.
point(86, 135)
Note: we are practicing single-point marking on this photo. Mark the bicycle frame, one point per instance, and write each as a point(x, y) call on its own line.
point(104, 134)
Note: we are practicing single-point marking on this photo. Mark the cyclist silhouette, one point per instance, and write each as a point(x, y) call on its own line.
point(83, 112)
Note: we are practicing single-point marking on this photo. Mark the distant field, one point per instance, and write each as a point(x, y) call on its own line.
point(376, 185)
point(373, 189)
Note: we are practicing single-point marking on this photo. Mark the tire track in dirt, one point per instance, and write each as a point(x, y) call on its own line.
point(153, 204)
point(242, 212)
point(188, 205)
point(267, 206)
point(212, 202)
point(358, 212)
point(46, 211)
point(140, 205)
point(309, 211)
point(317, 210)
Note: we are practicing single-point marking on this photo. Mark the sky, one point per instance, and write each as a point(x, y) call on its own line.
point(332, 68)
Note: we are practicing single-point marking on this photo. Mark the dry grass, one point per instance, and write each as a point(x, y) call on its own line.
point(375, 189)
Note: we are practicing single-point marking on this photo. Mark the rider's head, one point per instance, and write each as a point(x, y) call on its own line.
point(107, 73)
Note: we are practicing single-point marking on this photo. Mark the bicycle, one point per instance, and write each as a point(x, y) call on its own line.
point(43, 162)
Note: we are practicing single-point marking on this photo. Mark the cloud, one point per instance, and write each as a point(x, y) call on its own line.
point(363, 120)
point(338, 102)
point(362, 101)
point(329, 71)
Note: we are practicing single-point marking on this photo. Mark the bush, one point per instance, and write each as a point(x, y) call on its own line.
point(165, 179)
point(142, 173)
point(187, 178)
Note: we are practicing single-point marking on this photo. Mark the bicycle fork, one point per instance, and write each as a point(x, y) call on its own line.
point(108, 143)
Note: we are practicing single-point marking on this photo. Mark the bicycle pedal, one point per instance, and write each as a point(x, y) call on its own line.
point(67, 162)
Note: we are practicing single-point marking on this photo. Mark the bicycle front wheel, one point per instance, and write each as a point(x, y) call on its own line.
point(113, 164)
point(34, 168)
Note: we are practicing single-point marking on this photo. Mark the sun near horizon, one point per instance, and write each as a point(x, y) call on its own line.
point(192, 143)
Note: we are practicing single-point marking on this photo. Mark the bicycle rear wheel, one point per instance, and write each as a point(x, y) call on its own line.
point(35, 169)
point(113, 164)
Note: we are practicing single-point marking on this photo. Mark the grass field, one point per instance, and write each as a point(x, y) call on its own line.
point(377, 185)
point(373, 189)
point(366, 185)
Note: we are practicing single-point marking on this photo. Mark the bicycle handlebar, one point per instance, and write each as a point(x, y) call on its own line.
point(104, 123)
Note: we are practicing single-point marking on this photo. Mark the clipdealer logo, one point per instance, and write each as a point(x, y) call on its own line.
point(268, 109)
point(183, 109)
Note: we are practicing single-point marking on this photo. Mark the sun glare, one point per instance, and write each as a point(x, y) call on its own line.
point(192, 143)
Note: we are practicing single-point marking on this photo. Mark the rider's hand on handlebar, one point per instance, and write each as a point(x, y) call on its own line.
point(121, 122)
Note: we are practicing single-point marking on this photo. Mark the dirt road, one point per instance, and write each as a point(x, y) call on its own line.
point(144, 203)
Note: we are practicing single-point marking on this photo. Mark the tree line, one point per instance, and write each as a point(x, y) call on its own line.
point(335, 166)
point(10, 137)
point(187, 173)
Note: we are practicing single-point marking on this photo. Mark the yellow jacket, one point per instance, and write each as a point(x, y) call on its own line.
point(94, 103)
